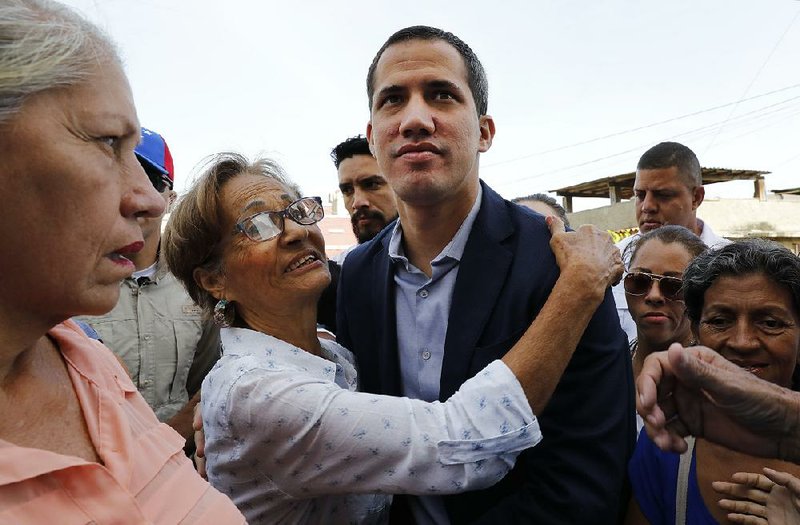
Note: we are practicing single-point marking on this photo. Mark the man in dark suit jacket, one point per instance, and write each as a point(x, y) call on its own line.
point(488, 266)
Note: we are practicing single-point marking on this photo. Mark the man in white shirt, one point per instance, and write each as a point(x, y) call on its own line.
point(668, 190)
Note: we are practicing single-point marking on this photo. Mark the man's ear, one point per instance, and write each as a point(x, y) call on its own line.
point(698, 195)
point(369, 138)
point(486, 123)
point(211, 281)
point(172, 196)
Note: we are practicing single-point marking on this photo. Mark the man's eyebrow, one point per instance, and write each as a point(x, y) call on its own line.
point(439, 84)
point(394, 88)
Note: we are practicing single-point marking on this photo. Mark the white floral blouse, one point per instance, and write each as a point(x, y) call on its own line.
point(289, 439)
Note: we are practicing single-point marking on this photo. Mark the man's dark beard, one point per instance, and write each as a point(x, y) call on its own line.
point(372, 229)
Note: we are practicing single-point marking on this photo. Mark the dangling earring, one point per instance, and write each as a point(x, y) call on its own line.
point(222, 315)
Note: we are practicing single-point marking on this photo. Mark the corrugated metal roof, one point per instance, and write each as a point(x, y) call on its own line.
point(624, 183)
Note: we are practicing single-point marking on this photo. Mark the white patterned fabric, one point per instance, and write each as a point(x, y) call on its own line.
point(289, 439)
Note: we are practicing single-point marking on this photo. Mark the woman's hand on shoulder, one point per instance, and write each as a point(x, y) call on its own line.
point(587, 255)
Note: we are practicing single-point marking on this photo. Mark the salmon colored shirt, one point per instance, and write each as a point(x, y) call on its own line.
point(145, 477)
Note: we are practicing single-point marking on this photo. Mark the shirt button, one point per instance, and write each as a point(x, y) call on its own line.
point(423, 294)
point(426, 355)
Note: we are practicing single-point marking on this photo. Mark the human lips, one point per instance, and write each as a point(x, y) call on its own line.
point(656, 317)
point(303, 261)
point(120, 255)
point(418, 151)
point(753, 367)
point(649, 224)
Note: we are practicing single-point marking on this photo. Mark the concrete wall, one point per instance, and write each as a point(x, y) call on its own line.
point(777, 218)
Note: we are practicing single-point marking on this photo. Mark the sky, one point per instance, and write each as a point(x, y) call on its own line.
point(578, 89)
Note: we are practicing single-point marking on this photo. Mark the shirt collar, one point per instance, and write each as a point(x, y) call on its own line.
point(454, 249)
point(280, 355)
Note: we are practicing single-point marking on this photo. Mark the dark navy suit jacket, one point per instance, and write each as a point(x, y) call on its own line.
point(577, 474)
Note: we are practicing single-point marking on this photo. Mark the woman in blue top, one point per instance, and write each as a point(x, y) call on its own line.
point(743, 300)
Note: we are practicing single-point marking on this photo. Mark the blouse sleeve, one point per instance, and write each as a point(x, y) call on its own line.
point(312, 437)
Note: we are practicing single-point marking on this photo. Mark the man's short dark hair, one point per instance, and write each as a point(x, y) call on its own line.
point(672, 154)
point(351, 147)
point(476, 76)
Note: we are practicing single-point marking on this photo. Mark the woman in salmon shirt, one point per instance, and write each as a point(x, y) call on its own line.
point(78, 444)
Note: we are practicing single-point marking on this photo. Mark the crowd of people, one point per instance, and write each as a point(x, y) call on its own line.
point(470, 360)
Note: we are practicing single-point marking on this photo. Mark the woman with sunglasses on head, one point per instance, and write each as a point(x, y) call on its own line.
point(743, 301)
point(287, 435)
point(653, 289)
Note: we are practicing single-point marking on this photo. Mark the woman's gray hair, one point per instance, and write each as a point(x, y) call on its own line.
point(750, 256)
point(195, 229)
point(45, 45)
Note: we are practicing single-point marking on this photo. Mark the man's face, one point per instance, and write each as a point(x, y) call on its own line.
point(424, 129)
point(368, 198)
point(663, 197)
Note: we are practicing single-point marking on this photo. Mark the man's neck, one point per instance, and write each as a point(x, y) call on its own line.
point(428, 229)
point(147, 256)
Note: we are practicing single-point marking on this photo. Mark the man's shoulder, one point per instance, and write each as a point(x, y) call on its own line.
point(368, 250)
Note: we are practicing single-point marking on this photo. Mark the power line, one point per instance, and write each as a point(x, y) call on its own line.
point(756, 113)
point(639, 128)
point(758, 74)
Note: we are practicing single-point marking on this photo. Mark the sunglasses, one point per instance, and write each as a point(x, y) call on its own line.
point(159, 181)
point(640, 283)
point(266, 225)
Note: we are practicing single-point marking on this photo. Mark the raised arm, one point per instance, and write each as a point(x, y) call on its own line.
point(589, 264)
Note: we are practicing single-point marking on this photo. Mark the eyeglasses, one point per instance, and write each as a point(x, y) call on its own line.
point(266, 225)
point(640, 283)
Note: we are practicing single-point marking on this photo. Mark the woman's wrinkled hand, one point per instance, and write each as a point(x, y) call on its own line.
point(587, 253)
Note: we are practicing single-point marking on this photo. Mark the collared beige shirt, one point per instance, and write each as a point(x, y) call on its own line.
point(160, 334)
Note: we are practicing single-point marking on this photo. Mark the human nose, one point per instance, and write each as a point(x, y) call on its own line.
point(140, 198)
point(293, 232)
point(649, 203)
point(416, 118)
point(743, 338)
point(654, 294)
point(360, 200)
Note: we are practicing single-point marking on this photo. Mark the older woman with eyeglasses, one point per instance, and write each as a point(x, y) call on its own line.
point(78, 444)
point(288, 437)
point(743, 301)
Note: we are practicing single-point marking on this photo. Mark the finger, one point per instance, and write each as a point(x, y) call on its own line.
point(738, 491)
point(555, 224)
point(197, 416)
point(754, 480)
point(745, 519)
point(784, 479)
point(743, 507)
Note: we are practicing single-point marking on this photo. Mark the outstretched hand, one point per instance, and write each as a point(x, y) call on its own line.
point(588, 253)
point(695, 391)
point(759, 499)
